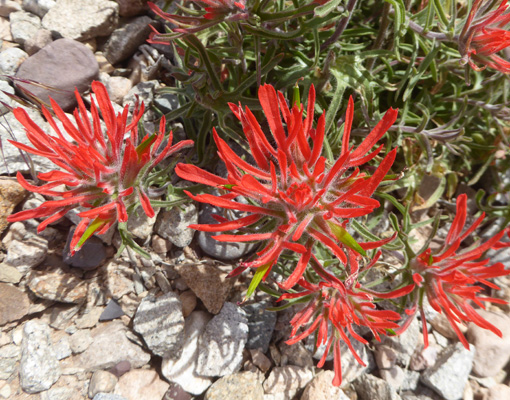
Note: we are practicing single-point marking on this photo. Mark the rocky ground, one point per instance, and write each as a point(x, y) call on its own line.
point(95, 326)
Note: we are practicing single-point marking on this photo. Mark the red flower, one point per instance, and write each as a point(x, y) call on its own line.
point(450, 277)
point(296, 198)
point(106, 172)
point(343, 305)
point(484, 35)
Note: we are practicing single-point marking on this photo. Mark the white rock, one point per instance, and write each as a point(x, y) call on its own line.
point(38, 7)
point(11, 59)
point(24, 26)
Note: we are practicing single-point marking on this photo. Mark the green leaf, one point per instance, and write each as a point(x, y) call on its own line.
point(93, 227)
point(343, 236)
point(257, 278)
point(325, 9)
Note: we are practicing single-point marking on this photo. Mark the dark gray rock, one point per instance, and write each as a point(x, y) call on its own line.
point(260, 324)
point(112, 311)
point(124, 41)
point(167, 102)
point(38, 7)
point(91, 255)
point(64, 64)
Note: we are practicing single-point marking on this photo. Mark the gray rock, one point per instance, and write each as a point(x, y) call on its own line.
point(221, 345)
point(90, 256)
point(59, 393)
point(239, 386)
point(173, 224)
point(261, 325)
point(160, 322)
point(82, 20)
point(38, 7)
point(5, 87)
point(64, 64)
point(8, 6)
point(112, 311)
point(39, 368)
point(24, 26)
point(35, 43)
point(9, 356)
point(296, 354)
point(130, 8)
point(167, 102)
point(14, 304)
point(221, 250)
point(145, 93)
point(369, 387)
point(58, 286)
point(26, 254)
point(287, 379)
point(139, 224)
point(62, 348)
point(126, 39)
point(11, 59)
point(108, 396)
point(118, 87)
point(449, 375)
point(182, 370)
point(406, 343)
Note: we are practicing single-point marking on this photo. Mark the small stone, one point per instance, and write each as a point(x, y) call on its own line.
point(24, 26)
point(62, 348)
point(61, 315)
point(11, 194)
point(9, 6)
point(209, 283)
point(38, 7)
point(369, 387)
point(9, 357)
point(449, 376)
point(385, 357)
point(498, 392)
point(424, 358)
point(125, 40)
point(101, 382)
point(89, 257)
point(261, 323)
point(145, 93)
point(112, 311)
point(160, 322)
point(130, 8)
point(14, 304)
point(492, 352)
point(188, 301)
point(238, 386)
point(81, 20)
point(161, 245)
point(221, 345)
point(57, 286)
point(9, 274)
point(441, 324)
point(182, 371)
point(141, 384)
point(406, 343)
point(394, 376)
point(287, 379)
point(35, 43)
point(260, 360)
point(321, 388)
point(80, 341)
point(295, 354)
point(89, 319)
point(121, 368)
point(26, 254)
point(139, 224)
point(39, 367)
point(176, 392)
point(11, 59)
point(118, 278)
point(173, 224)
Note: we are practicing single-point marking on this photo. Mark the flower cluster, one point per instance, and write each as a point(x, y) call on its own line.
point(104, 171)
point(450, 278)
point(484, 35)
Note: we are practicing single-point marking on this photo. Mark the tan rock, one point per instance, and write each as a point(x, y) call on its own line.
point(11, 193)
point(189, 302)
point(102, 382)
point(14, 304)
point(141, 384)
point(58, 286)
point(9, 274)
point(321, 388)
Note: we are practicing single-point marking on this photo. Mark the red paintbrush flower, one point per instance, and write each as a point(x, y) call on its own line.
point(341, 306)
point(296, 197)
point(105, 171)
point(484, 35)
point(216, 11)
point(450, 276)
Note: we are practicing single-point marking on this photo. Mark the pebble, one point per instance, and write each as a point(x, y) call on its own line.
point(11, 59)
point(321, 388)
point(64, 64)
point(424, 358)
point(492, 352)
point(238, 386)
point(61, 315)
point(183, 370)
point(11, 194)
point(260, 360)
point(125, 40)
point(35, 43)
point(81, 20)
point(26, 254)
point(80, 341)
point(9, 274)
point(261, 325)
point(24, 26)
point(9, 356)
point(295, 354)
point(449, 376)
point(14, 303)
point(369, 387)
point(145, 93)
point(160, 245)
point(208, 282)
point(222, 343)
point(130, 8)
point(101, 381)
point(160, 322)
point(57, 286)
point(406, 343)
point(139, 224)
point(141, 384)
point(287, 379)
point(39, 367)
point(176, 392)
point(188, 301)
point(112, 311)
point(62, 348)
point(89, 318)
point(173, 224)
point(90, 256)
point(117, 278)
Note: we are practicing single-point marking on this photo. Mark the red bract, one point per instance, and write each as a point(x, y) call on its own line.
point(484, 35)
point(106, 172)
point(215, 11)
point(296, 197)
point(450, 277)
point(343, 306)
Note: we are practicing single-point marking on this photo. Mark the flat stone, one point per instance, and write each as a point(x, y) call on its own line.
point(11, 60)
point(89, 318)
point(57, 286)
point(261, 324)
point(173, 224)
point(160, 322)
point(90, 256)
point(81, 20)
point(112, 311)
point(221, 345)
point(109, 347)
point(209, 283)
point(101, 381)
point(11, 194)
point(39, 367)
point(406, 343)
point(141, 384)
point(118, 278)
point(80, 341)
point(295, 354)
point(288, 378)
point(449, 376)
point(369, 387)
point(14, 304)
point(125, 40)
point(61, 315)
point(492, 352)
point(321, 388)
point(9, 274)
point(64, 64)
point(260, 360)
point(238, 386)
point(9, 356)
point(24, 26)
point(26, 254)
point(182, 371)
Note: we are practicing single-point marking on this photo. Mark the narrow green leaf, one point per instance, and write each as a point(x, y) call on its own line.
point(325, 9)
point(343, 236)
point(93, 227)
point(257, 278)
